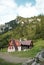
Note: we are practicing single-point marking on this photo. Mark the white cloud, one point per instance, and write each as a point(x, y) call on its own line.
point(9, 10)
point(40, 6)
point(27, 11)
point(8, 17)
point(8, 3)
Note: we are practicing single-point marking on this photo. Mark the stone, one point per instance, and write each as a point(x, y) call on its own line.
point(35, 63)
point(42, 54)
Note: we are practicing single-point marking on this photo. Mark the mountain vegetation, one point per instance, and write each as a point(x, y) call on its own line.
point(22, 28)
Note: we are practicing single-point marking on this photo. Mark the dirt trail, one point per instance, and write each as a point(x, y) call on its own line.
point(9, 58)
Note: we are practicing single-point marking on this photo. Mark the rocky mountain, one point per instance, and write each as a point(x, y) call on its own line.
point(19, 20)
point(26, 27)
point(22, 28)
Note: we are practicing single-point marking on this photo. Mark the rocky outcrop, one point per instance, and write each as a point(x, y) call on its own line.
point(36, 60)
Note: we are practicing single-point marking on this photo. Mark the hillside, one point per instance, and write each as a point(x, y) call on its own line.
point(19, 21)
point(22, 28)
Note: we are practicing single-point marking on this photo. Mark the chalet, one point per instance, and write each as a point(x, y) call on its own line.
point(19, 45)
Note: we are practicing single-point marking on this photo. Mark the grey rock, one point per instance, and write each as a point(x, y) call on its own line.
point(36, 60)
point(34, 63)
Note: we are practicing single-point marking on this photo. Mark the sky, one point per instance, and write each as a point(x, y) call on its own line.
point(10, 9)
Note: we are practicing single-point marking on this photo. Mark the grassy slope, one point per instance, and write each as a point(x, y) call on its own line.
point(38, 45)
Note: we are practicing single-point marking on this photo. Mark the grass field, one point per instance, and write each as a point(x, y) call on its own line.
point(38, 46)
point(2, 62)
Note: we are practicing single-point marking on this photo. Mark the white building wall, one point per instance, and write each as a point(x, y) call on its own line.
point(19, 48)
point(11, 50)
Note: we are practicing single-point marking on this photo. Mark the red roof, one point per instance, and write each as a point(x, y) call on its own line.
point(26, 42)
point(19, 43)
point(14, 42)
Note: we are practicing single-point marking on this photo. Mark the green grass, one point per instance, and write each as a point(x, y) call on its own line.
point(2, 62)
point(3, 50)
point(38, 46)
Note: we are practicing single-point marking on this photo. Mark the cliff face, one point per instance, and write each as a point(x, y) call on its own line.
point(19, 20)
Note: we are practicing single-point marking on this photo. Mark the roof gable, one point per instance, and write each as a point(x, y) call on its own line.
point(26, 42)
